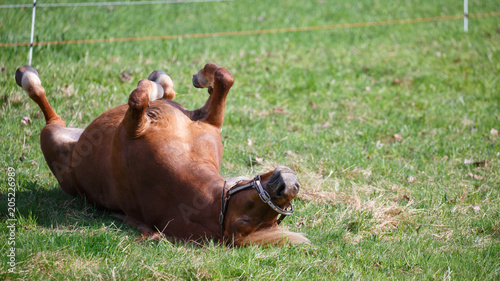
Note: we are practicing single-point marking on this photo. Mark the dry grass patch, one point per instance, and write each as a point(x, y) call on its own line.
point(45, 263)
point(375, 209)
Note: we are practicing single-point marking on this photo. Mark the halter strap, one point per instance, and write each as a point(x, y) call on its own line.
point(263, 194)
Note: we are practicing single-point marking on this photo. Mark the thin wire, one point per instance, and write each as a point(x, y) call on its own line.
point(115, 3)
point(253, 32)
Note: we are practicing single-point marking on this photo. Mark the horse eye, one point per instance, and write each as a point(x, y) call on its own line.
point(243, 220)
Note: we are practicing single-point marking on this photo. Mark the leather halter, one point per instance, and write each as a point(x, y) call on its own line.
point(264, 196)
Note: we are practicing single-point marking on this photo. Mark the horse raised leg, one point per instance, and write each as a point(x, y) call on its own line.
point(136, 121)
point(219, 81)
point(27, 78)
point(57, 141)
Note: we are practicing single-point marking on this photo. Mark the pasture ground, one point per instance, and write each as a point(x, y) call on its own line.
point(393, 131)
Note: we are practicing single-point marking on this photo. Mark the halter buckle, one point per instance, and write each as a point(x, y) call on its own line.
point(264, 196)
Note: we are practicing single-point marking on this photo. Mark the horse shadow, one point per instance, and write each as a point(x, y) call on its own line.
point(50, 207)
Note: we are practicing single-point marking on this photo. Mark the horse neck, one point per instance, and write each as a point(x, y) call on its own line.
point(205, 205)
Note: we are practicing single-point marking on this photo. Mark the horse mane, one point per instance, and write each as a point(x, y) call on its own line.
point(272, 236)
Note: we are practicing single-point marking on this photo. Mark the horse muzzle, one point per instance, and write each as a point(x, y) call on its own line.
point(283, 184)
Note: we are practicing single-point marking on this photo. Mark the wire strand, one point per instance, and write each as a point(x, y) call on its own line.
point(253, 32)
point(112, 3)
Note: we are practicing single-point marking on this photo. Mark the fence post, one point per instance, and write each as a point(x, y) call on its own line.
point(466, 17)
point(32, 31)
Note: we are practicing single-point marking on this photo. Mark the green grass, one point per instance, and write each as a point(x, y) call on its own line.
point(373, 206)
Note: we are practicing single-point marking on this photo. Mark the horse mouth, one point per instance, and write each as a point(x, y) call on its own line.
point(195, 82)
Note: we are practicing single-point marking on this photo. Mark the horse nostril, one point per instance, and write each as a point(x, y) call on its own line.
point(280, 191)
point(287, 190)
point(283, 183)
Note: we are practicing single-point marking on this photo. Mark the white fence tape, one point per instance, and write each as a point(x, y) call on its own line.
point(112, 3)
point(466, 16)
point(32, 32)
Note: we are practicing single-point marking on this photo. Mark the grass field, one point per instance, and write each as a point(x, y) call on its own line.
point(392, 130)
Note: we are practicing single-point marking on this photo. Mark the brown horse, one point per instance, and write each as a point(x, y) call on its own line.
point(157, 164)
